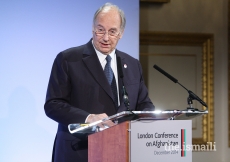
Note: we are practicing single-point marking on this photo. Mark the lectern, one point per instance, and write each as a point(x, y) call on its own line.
point(110, 145)
point(141, 136)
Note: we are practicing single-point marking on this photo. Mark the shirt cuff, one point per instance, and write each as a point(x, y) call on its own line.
point(87, 117)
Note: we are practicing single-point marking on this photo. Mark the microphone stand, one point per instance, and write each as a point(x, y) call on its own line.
point(126, 102)
point(124, 92)
point(190, 99)
point(125, 97)
point(192, 96)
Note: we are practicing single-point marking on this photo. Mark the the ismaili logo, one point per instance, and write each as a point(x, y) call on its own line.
point(185, 147)
point(183, 142)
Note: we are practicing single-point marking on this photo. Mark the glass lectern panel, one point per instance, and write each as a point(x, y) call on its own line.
point(82, 129)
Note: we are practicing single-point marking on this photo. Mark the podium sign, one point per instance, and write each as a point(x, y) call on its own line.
point(162, 140)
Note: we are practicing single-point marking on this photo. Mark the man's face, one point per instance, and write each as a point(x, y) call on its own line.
point(109, 23)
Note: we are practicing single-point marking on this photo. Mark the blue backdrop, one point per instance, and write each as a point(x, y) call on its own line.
point(32, 34)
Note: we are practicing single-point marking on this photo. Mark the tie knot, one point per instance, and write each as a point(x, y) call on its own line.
point(108, 59)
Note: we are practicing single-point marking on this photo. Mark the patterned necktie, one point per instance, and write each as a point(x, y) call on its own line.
point(111, 79)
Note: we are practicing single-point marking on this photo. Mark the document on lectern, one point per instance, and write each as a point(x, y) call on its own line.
point(84, 129)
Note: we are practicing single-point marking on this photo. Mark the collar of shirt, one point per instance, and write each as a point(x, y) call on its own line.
point(102, 59)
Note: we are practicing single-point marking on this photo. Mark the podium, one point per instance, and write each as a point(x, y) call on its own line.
point(110, 145)
point(141, 136)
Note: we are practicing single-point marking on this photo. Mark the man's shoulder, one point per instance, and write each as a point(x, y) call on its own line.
point(73, 51)
point(126, 56)
point(72, 54)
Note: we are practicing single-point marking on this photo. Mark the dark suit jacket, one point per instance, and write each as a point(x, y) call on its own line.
point(78, 87)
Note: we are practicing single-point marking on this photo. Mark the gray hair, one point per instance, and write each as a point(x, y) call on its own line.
point(109, 6)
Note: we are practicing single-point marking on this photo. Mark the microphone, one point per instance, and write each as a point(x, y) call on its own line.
point(192, 96)
point(120, 71)
point(166, 74)
point(124, 92)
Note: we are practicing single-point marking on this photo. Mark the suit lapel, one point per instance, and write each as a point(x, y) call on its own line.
point(92, 63)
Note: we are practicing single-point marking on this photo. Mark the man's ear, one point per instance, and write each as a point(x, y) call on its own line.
point(121, 34)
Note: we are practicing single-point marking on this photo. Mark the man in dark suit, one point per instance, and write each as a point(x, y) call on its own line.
point(85, 86)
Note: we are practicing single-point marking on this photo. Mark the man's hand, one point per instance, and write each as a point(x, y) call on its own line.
point(95, 117)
